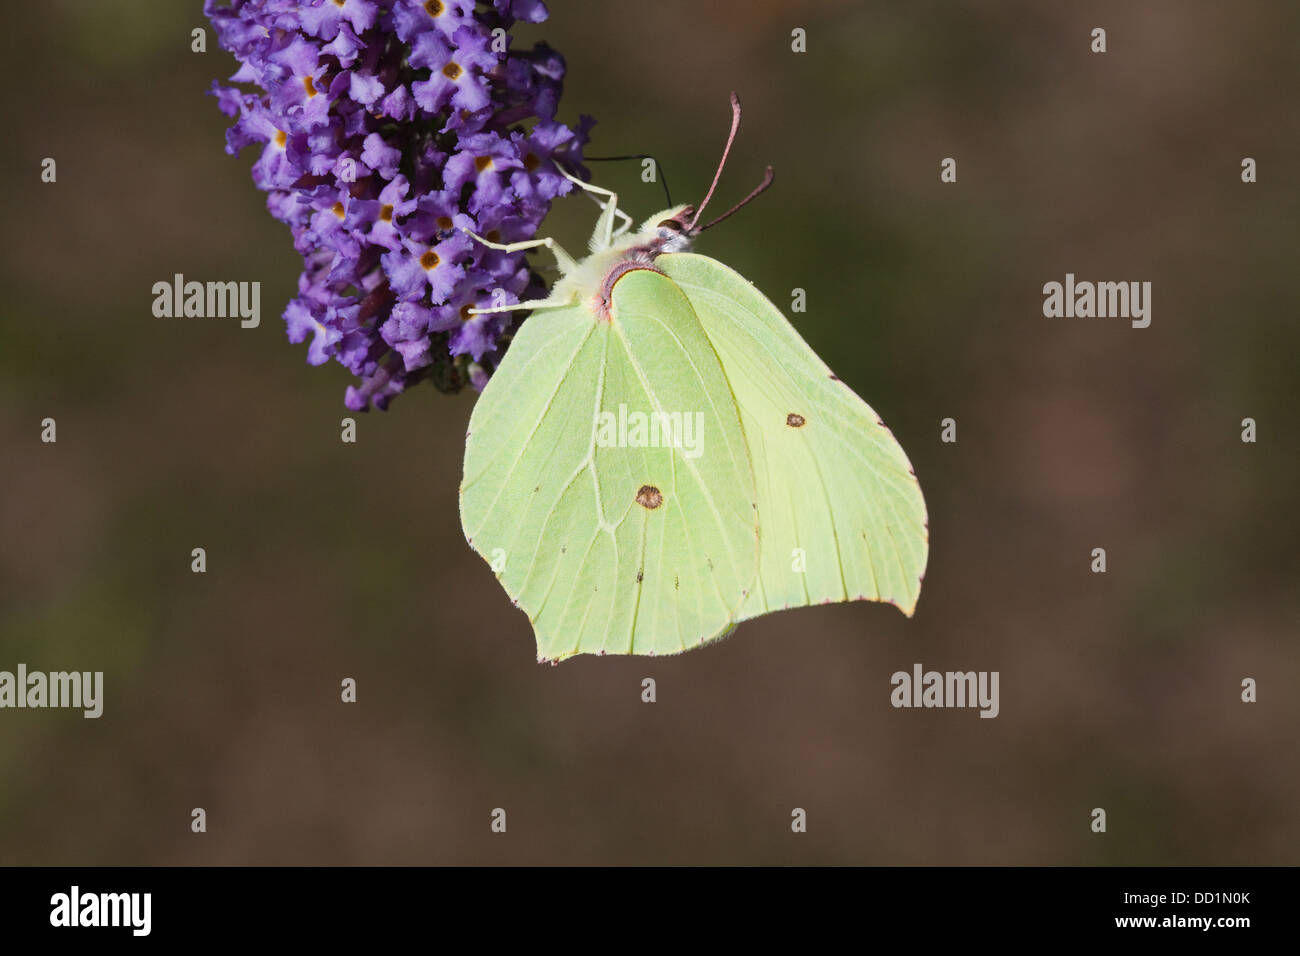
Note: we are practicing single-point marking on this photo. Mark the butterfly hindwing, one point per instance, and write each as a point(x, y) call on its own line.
point(840, 510)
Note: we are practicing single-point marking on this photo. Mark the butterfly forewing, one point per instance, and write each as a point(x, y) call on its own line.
point(615, 521)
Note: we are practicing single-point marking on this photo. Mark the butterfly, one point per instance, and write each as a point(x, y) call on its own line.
point(660, 455)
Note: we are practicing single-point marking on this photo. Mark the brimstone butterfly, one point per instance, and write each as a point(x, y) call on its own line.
point(660, 455)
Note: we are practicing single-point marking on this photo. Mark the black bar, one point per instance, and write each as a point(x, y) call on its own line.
point(925, 905)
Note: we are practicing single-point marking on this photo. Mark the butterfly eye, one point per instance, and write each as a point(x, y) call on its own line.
point(672, 224)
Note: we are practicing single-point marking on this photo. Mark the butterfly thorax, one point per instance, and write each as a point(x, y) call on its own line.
point(592, 282)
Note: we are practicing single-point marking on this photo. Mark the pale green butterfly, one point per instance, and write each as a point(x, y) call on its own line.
point(660, 455)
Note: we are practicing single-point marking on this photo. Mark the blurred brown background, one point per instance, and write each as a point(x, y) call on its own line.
point(328, 560)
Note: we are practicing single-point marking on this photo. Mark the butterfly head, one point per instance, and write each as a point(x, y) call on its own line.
point(675, 229)
point(670, 230)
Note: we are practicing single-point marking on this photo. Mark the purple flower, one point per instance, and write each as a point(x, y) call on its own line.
point(345, 47)
point(485, 161)
point(301, 323)
point(387, 128)
point(458, 78)
point(298, 92)
point(411, 18)
point(380, 157)
point(323, 18)
point(422, 272)
point(532, 11)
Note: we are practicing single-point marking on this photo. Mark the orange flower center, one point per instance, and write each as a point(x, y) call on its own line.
point(483, 163)
point(309, 86)
point(430, 260)
point(434, 8)
point(338, 209)
point(386, 213)
point(280, 138)
point(451, 70)
point(444, 222)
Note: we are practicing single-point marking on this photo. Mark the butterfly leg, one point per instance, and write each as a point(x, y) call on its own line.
point(625, 226)
point(563, 259)
point(606, 223)
point(520, 306)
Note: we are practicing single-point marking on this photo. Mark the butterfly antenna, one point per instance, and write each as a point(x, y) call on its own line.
point(659, 169)
point(731, 138)
point(767, 181)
